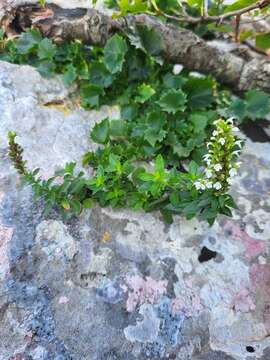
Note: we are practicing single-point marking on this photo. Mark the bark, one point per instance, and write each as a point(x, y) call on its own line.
point(179, 45)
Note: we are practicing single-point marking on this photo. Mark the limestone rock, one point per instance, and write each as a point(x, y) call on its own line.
point(151, 291)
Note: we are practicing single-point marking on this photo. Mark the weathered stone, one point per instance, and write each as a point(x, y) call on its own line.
point(143, 293)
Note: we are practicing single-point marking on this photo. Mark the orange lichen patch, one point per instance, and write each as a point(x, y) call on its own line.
point(106, 237)
point(63, 107)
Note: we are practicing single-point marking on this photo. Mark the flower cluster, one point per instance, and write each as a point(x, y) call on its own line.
point(224, 149)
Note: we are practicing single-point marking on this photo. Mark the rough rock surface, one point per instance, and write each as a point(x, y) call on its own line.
point(152, 291)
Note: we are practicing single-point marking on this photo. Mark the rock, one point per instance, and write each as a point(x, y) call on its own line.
point(141, 294)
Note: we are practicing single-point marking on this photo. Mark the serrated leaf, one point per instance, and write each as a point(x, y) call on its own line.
point(173, 81)
point(159, 164)
point(145, 92)
point(28, 41)
point(153, 136)
point(90, 93)
point(100, 132)
point(200, 92)
point(99, 75)
point(70, 75)
point(150, 40)
point(46, 49)
point(238, 108)
point(114, 53)
point(118, 128)
point(258, 104)
point(199, 122)
point(172, 101)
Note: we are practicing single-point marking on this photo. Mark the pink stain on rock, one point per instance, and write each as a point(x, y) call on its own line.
point(5, 236)
point(142, 291)
point(243, 302)
point(260, 280)
point(253, 247)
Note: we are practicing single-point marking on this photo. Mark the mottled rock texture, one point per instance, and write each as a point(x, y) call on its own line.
point(153, 291)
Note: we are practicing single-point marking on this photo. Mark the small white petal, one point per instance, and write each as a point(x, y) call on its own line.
point(208, 174)
point(197, 185)
point(209, 185)
point(235, 129)
point(222, 141)
point(217, 185)
point(233, 172)
point(239, 143)
point(230, 120)
point(215, 133)
point(217, 167)
point(206, 156)
point(177, 69)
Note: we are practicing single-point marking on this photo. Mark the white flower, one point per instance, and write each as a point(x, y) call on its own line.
point(206, 156)
point(229, 181)
point(217, 185)
point(235, 129)
point(215, 133)
point(177, 69)
point(196, 74)
point(222, 141)
point(199, 185)
point(239, 143)
point(232, 172)
point(230, 120)
point(217, 167)
point(236, 152)
point(209, 185)
point(208, 173)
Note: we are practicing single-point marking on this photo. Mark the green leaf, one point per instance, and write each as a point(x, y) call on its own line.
point(28, 41)
point(238, 108)
point(88, 203)
point(100, 133)
point(99, 75)
point(134, 7)
point(46, 49)
point(114, 54)
point(159, 164)
point(237, 5)
point(150, 40)
point(153, 136)
point(199, 122)
point(258, 105)
point(193, 168)
point(65, 204)
point(129, 112)
point(156, 120)
point(172, 101)
point(70, 75)
point(118, 128)
point(91, 93)
point(173, 81)
point(263, 41)
point(200, 92)
point(145, 92)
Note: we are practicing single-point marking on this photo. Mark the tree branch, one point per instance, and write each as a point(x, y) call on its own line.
point(179, 45)
point(217, 18)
